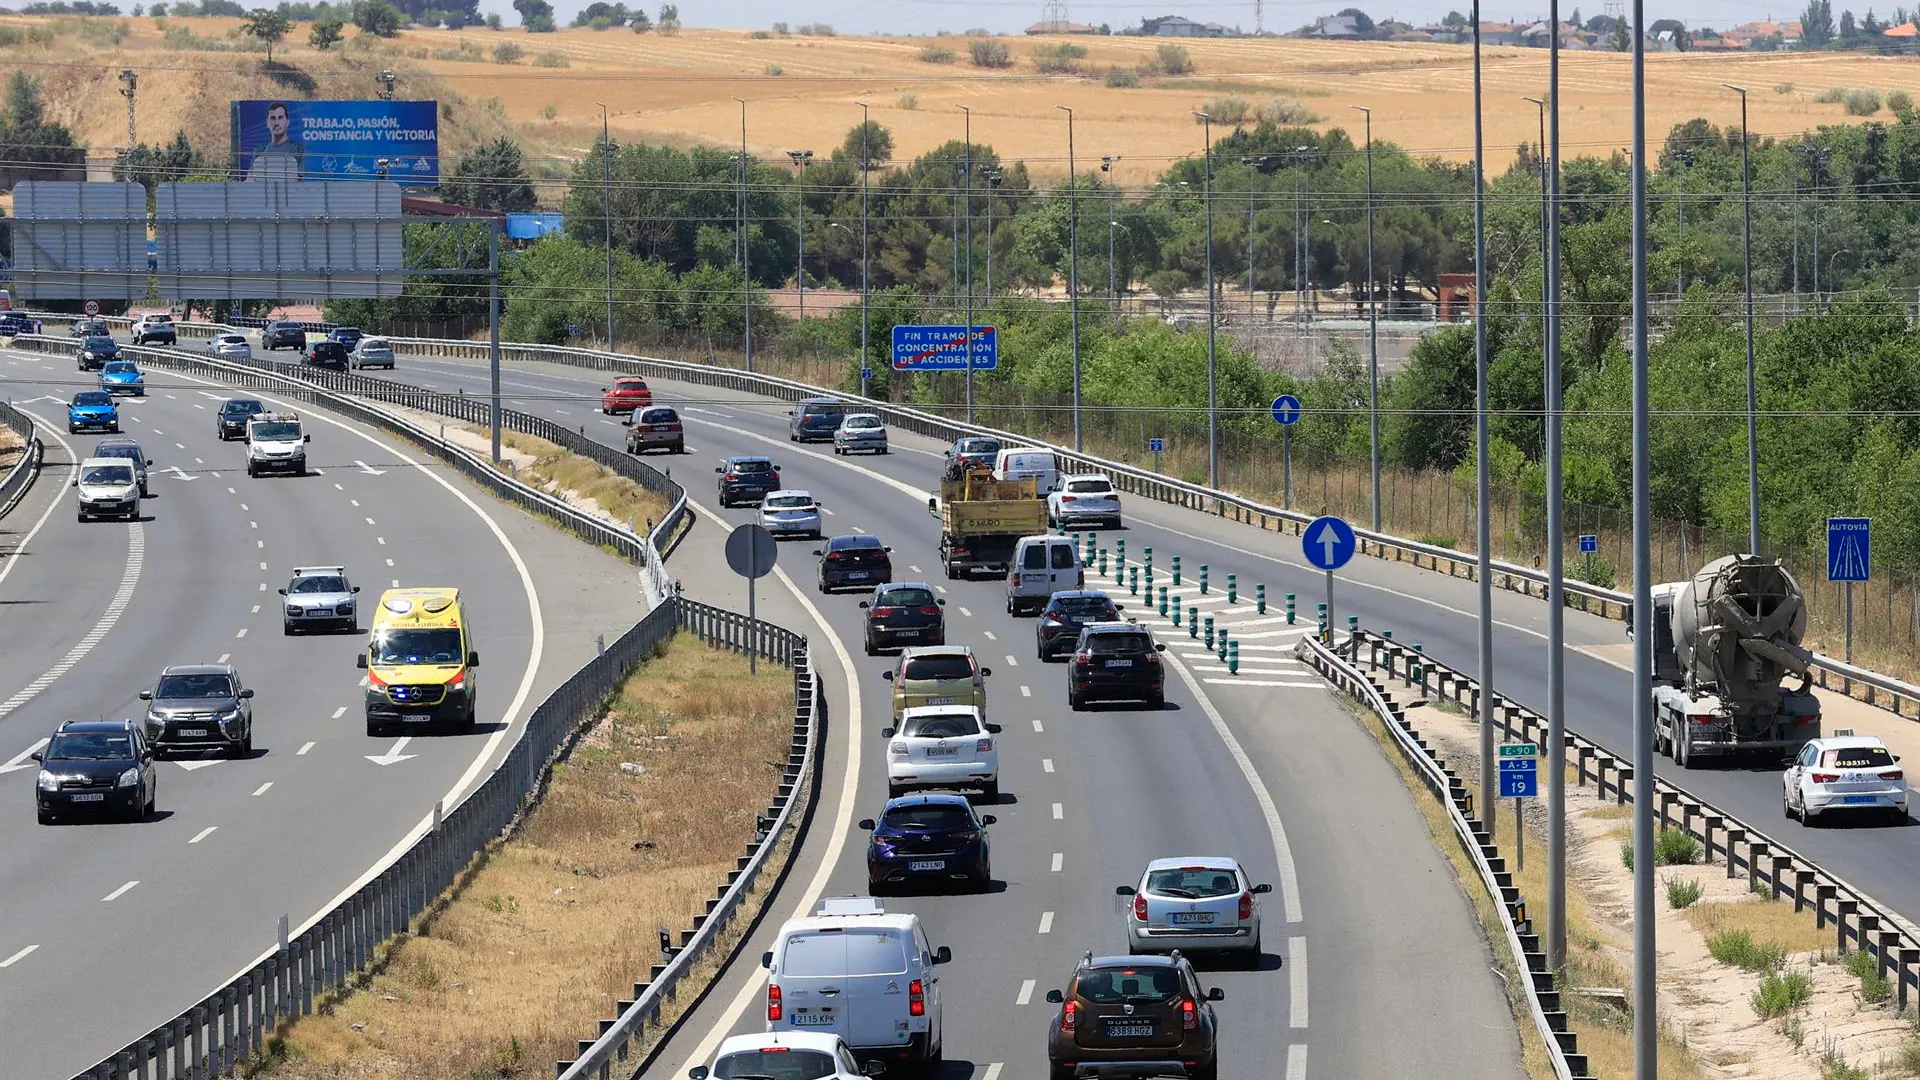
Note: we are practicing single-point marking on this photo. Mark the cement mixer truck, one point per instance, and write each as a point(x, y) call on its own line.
point(1723, 643)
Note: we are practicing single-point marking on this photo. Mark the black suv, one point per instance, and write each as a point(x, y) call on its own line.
point(284, 334)
point(231, 422)
point(1116, 662)
point(93, 326)
point(1060, 621)
point(1134, 1016)
point(856, 559)
point(747, 480)
point(902, 614)
point(96, 350)
point(96, 766)
point(200, 707)
point(326, 353)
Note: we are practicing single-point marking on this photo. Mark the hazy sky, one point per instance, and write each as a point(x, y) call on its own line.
point(928, 16)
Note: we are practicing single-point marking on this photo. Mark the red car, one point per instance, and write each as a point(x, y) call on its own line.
point(625, 395)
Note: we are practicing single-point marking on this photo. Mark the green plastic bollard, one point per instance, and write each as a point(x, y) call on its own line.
point(1203, 579)
point(1290, 606)
point(1193, 622)
point(1233, 658)
point(1209, 633)
point(1260, 596)
point(1076, 541)
point(1353, 626)
point(1176, 611)
point(1163, 601)
point(1176, 571)
point(1120, 552)
point(1146, 554)
point(1233, 588)
point(1103, 562)
point(1418, 672)
point(1133, 582)
point(1149, 577)
point(1223, 644)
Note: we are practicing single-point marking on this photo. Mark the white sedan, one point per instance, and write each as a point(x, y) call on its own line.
point(790, 513)
point(1084, 498)
point(786, 1055)
point(943, 746)
point(230, 347)
point(1844, 773)
point(1194, 903)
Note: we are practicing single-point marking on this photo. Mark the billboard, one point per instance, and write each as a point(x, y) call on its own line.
point(337, 140)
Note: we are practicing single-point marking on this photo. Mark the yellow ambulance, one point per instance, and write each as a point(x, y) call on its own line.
point(419, 662)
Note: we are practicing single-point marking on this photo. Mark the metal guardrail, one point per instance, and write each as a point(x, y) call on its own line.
point(20, 477)
point(232, 1025)
point(1543, 996)
point(1859, 921)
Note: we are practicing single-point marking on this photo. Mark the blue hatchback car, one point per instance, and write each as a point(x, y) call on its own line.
point(123, 377)
point(93, 409)
point(928, 838)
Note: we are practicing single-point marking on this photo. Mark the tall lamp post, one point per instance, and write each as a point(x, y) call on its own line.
point(1073, 273)
point(1488, 803)
point(746, 244)
point(1213, 410)
point(1556, 942)
point(992, 174)
point(1746, 254)
point(1646, 1000)
point(866, 155)
point(1540, 151)
point(132, 80)
point(606, 211)
point(966, 179)
point(801, 159)
point(1113, 221)
point(1373, 333)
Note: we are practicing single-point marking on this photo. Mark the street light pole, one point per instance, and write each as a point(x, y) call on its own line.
point(801, 159)
point(992, 175)
point(1488, 802)
point(1746, 246)
point(1373, 333)
point(966, 169)
point(866, 153)
point(1646, 1000)
point(1073, 273)
point(1556, 535)
point(1540, 151)
point(1213, 408)
point(746, 243)
point(606, 211)
point(1113, 222)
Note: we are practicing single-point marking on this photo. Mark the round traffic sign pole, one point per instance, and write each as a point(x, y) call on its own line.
point(1328, 542)
point(1286, 413)
point(751, 552)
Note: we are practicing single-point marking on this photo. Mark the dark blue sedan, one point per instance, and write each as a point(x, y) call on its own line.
point(1060, 621)
point(92, 409)
point(928, 838)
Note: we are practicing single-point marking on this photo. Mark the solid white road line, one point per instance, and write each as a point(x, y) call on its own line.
point(17, 957)
point(203, 834)
point(1297, 982)
point(129, 580)
point(1237, 681)
point(1058, 858)
point(1058, 812)
point(1026, 992)
point(73, 471)
point(1046, 922)
point(118, 893)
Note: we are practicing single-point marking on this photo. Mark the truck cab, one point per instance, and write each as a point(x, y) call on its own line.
point(276, 442)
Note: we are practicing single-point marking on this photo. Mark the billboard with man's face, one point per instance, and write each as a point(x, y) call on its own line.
point(337, 140)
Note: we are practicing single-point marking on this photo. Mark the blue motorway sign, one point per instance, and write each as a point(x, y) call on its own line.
point(944, 348)
point(337, 140)
point(1329, 542)
point(1849, 548)
point(1519, 770)
point(1286, 410)
point(1156, 445)
point(866, 373)
point(1589, 543)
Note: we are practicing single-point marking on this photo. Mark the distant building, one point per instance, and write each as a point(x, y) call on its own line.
point(1061, 27)
point(1181, 26)
point(1335, 26)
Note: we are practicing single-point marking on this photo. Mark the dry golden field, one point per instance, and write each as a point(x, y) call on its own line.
point(680, 89)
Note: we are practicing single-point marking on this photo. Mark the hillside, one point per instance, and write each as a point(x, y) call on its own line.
point(802, 90)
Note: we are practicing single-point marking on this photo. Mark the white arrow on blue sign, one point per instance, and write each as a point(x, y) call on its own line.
point(1286, 410)
point(1328, 542)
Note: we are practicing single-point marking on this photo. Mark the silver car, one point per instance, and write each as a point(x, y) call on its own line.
point(790, 513)
point(1195, 904)
point(860, 431)
point(230, 347)
point(319, 597)
point(373, 352)
point(127, 448)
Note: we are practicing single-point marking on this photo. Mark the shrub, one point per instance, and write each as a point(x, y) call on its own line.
point(1227, 110)
point(1626, 854)
point(1781, 992)
point(759, 35)
point(1783, 88)
point(1439, 540)
point(909, 101)
point(1281, 113)
point(818, 29)
point(1122, 79)
point(1862, 102)
point(1174, 59)
point(1062, 58)
point(937, 54)
point(1832, 95)
point(1595, 570)
point(1682, 893)
point(1674, 847)
point(781, 29)
point(989, 54)
point(774, 71)
point(1738, 948)
point(1899, 101)
point(508, 52)
point(552, 60)
point(1874, 987)
point(11, 36)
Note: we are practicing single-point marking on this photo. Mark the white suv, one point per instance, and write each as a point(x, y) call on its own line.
point(156, 327)
point(855, 970)
point(1084, 498)
point(784, 1054)
point(943, 746)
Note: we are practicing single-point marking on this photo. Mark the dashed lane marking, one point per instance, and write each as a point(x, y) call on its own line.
point(119, 892)
point(1058, 812)
point(19, 956)
point(1046, 918)
point(1058, 858)
point(203, 834)
point(262, 789)
point(303, 749)
point(339, 712)
point(1026, 992)
point(129, 580)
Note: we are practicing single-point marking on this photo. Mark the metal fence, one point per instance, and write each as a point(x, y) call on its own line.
point(232, 1025)
point(1543, 997)
point(1859, 922)
point(20, 476)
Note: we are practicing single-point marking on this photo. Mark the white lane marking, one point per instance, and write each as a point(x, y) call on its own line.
point(73, 473)
point(1026, 691)
point(1235, 681)
point(382, 539)
point(1297, 982)
point(967, 613)
point(1037, 726)
point(990, 636)
point(263, 566)
point(561, 412)
point(1046, 922)
point(1011, 662)
point(129, 579)
point(263, 586)
point(941, 589)
point(1058, 812)
point(303, 749)
point(242, 633)
point(259, 543)
point(749, 993)
point(1026, 992)
point(262, 789)
point(215, 475)
point(1046, 764)
point(339, 712)
point(233, 491)
point(1058, 858)
point(1297, 1061)
point(256, 609)
point(369, 521)
point(203, 834)
point(337, 487)
point(20, 760)
point(915, 569)
point(223, 658)
point(17, 957)
point(243, 506)
point(827, 511)
point(609, 423)
point(858, 529)
point(394, 755)
point(389, 562)
point(356, 502)
point(118, 893)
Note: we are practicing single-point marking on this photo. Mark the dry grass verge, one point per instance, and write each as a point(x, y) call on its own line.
point(583, 481)
point(553, 927)
point(12, 447)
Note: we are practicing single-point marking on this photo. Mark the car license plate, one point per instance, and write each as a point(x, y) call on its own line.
point(1191, 918)
point(812, 1019)
point(95, 797)
point(912, 633)
point(942, 751)
point(1858, 799)
point(858, 575)
point(1129, 1031)
point(1119, 663)
point(939, 701)
point(927, 864)
point(192, 733)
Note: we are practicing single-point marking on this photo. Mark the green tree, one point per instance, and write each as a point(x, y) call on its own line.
point(492, 176)
point(868, 145)
point(1816, 24)
point(535, 15)
point(326, 33)
point(31, 146)
point(669, 20)
point(268, 27)
point(151, 166)
point(377, 17)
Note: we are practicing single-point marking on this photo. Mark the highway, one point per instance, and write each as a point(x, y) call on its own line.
point(1418, 605)
point(109, 929)
point(1089, 797)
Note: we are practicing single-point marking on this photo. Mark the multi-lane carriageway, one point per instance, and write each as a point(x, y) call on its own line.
point(107, 930)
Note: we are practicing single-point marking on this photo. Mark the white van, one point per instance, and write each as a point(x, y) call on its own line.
point(1042, 566)
point(1028, 463)
point(856, 971)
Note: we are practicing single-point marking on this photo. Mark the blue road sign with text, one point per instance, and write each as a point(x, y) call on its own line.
point(1519, 770)
point(944, 348)
point(1328, 542)
point(1156, 445)
point(1589, 543)
point(1849, 548)
point(1286, 410)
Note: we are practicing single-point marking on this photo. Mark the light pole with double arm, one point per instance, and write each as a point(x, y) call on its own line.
point(1373, 334)
point(1073, 273)
point(1213, 405)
